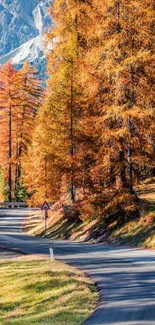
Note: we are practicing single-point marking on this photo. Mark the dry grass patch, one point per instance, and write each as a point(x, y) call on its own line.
point(42, 292)
point(140, 232)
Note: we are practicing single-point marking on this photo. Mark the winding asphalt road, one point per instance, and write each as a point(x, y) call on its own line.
point(125, 277)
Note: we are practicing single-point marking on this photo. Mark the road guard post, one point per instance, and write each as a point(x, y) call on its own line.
point(51, 252)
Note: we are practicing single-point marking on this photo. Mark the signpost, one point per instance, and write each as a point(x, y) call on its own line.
point(45, 207)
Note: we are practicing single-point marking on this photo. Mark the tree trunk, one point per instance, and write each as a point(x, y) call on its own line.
point(72, 138)
point(10, 155)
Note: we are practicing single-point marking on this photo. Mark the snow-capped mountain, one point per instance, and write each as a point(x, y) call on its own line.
point(22, 26)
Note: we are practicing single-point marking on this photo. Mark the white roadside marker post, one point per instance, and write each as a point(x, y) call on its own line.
point(51, 252)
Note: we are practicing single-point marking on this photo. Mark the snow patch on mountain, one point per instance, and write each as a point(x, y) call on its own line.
point(29, 51)
point(22, 26)
point(38, 19)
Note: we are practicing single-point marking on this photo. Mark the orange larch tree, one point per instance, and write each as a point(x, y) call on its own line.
point(119, 65)
point(8, 105)
point(58, 118)
point(31, 96)
point(20, 96)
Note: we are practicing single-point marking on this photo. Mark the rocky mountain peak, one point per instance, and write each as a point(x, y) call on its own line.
point(22, 25)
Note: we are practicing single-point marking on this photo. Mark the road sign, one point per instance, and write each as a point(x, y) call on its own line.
point(45, 206)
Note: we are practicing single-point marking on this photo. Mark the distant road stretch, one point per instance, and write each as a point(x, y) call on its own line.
point(125, 277)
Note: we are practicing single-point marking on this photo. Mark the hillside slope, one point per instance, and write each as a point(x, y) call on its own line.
point(137, 232)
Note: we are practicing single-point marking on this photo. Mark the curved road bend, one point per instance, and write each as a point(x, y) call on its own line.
point(125, 277)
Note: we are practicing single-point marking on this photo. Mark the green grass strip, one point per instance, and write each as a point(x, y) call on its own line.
point(38, 292)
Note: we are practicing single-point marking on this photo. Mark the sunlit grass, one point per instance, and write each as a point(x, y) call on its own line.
point(140, 232)
point(43, 292)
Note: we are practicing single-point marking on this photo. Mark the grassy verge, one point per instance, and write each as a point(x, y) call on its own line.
point(42, 292)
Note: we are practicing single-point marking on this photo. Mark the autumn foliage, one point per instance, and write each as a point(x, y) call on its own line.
point(94, 134)
point(20, 98)
point(93, 137)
